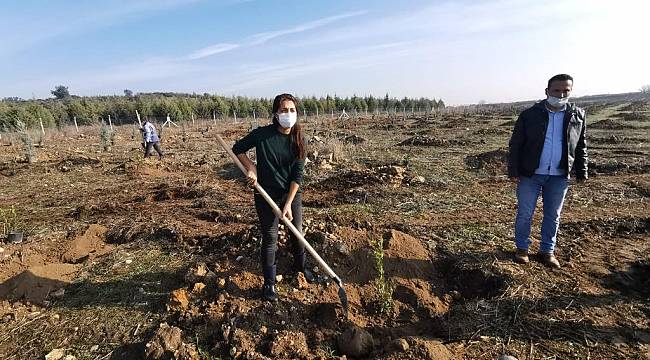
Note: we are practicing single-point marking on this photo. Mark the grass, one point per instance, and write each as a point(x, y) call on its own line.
point(9, 220)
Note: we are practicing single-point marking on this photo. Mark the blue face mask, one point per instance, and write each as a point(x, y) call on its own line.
point(557, 102)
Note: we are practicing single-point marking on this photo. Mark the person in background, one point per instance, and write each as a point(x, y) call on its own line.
point(150, 139)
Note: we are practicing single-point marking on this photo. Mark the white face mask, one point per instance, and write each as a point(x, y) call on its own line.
point(557, 102)
point(288, 119)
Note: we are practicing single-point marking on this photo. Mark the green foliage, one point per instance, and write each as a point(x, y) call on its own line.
point(107, 137)
point(88, 110)
point(383, 287)
point(61, 92)
point(9, 220)
point(26, 139)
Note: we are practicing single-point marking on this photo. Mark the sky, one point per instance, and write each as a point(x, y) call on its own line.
point(460, 51)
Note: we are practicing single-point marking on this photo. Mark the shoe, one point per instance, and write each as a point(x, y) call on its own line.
point(549, 260)
point(521, 256)
point(309, 276)
point(269, 293)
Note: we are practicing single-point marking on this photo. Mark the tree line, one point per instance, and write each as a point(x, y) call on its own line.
point(63, 108)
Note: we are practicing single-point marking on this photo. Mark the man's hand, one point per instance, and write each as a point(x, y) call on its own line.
point(251, 177)
point(286, 212)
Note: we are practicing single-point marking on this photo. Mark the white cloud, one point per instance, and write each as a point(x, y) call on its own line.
point(263, 37)
point(211, 50)
point(266, 36)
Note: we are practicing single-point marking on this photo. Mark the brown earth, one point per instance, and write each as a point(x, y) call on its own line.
point(126, 258)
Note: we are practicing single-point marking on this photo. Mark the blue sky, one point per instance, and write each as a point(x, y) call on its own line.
point(460, 51)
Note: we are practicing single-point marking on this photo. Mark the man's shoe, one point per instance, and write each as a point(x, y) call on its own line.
point(521, 256)
point(549, 260)
point(269, 293)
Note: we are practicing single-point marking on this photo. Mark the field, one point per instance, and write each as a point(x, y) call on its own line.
point(117, 245)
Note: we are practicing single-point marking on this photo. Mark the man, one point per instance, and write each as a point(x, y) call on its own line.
point(548, 142)
point(151, 139)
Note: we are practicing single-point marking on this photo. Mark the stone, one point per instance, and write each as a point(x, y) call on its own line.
point(507, 357)
point(400, 345)
point(198, 288)
point(301, 282)
point(55, 354)
point(166, 340)
point(221, 283)
point(355, 342)
point(178, 300)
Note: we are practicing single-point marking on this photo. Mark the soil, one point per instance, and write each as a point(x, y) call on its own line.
point(126, 258)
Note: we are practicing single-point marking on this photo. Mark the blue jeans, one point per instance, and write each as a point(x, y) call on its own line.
point(553, 189)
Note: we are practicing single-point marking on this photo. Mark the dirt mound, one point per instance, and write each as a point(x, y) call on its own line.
point(189, 191)
point(354, 139)
point(637, 106)
point(492, 131)
point(80, 161)
point(633, 116)
point(87, 246)
point(389, 174)
point(632, 280)
point(459, 122)
point(607, 227)
point(88, 212)
point(618, 168)
point(36, 283)
point(642, 187)
point(130, 231)
point(407, 266)
point(493, 162)
point(613, 139)
point(423, 140)
point(609, 124)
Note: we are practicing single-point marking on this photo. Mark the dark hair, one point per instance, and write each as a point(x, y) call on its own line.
point(297, 143)
point(559, 77)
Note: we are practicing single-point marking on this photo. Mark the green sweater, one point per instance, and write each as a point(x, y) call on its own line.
point(277, 166)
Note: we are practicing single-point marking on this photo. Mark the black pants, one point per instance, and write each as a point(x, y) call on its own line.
point(155, 145)
point(269, 228)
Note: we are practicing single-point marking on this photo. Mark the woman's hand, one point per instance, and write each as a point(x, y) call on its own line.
point(251, 176)
point(286, 212)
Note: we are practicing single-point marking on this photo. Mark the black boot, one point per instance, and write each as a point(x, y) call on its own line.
point(309, 276)
point(268, 290)
point(300, 266)
point(269, 293)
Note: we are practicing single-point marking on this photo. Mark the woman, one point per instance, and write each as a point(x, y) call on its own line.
point(280, 153)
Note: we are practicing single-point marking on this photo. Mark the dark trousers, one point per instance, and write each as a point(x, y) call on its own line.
point(269, 229)
point(155, 145)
